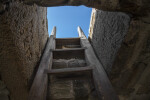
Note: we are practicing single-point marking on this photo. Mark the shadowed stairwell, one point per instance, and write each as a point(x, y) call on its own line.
point(35, 66)
point(69, 70)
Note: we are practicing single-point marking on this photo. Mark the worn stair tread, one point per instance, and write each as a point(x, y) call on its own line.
point(66, 63)
point(69, 70)
point(69, 49)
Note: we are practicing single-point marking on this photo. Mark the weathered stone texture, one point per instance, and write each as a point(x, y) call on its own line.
point(64, 87)
point(4, 5)
point(136, 7)
point(131, 69)
point(107, 30)
point(64, 63)
point(129, 57)
point(4, 93)
point(23, 34)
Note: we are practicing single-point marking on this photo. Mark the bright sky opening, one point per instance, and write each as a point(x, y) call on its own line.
point(67, 19)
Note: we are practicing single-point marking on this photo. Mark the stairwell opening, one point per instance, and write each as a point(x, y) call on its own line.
point(69, 86)
point(67, 19)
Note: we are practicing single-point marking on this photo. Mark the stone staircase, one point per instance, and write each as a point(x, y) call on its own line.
point(70, 70)
point(70, 54)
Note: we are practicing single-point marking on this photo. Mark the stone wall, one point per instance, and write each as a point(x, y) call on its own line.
point(131, 68)
point(23, 34)
point(107, 31)
point(4, 93)
point(122, 45)
point(136, 7)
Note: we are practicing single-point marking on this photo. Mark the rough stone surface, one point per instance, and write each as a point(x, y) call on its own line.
point(64, 89)
point(131, 69)
point(130, 60)
point(65, 63)
point(4, 5)
point(136, 7)
point(107, 31)
point(23, 34)
point(61, 88)
point(4, 93)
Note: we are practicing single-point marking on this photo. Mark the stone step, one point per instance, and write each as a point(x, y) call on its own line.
point(60, 90)
point(66, 63)
point(62, 43)
point(76, 53)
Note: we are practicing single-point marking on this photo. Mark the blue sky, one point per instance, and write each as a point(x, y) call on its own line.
point(67, 19)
